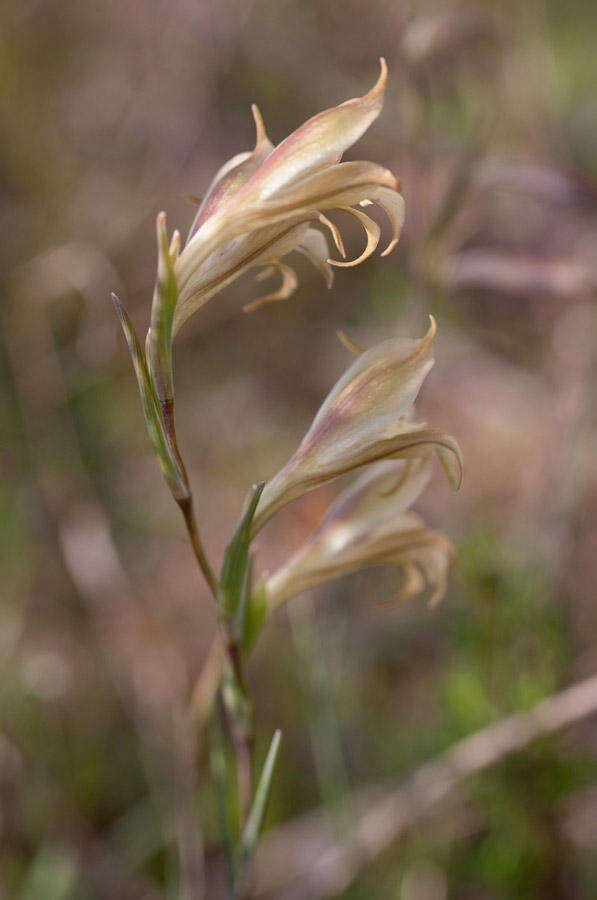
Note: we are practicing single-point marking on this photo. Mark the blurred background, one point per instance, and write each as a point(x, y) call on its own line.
point(113, 111)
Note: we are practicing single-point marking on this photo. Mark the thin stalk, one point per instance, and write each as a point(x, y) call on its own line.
point(186, 507)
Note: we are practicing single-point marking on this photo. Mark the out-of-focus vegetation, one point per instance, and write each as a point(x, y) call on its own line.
point(112, 111)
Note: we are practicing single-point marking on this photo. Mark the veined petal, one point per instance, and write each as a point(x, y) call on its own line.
point(365, 418)
point(234, 259)
point(384, 489)
point(370, 524)
point(233, 174)
point(345, 184)
point(318, 142)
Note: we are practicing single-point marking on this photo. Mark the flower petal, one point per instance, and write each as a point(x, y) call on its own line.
point(343, 184)
point(372, 230)
point(365, 418)
point(318, 142)
point(315, 247)
point(335, 232)
point(393, 205)
point(343, 545)
point(233, 175)
point(231, 261)
point(349, 343)
point(288, 286)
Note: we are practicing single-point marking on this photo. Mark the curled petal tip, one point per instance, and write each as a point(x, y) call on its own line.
point(335, 232)
point(379, 86)
point(261, 134)
point(349, 343)
point(371, 230)
point(160, 220)
point(389, 248)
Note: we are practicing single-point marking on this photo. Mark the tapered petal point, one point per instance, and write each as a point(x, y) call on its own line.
point(196, 201)
point(288, 286)
point(390, 247)
point(452, 460)
point(377, 91)
point(335, 232)
point(175, 246)
point(349, 343)
point(260, 132)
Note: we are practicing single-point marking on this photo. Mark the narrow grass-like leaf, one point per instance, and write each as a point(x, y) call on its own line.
point(151, 411)
point(255, 821)
point(222, 784)
point(234, 568)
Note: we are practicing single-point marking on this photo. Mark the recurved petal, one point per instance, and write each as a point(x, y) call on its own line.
point(393, 204)
point(287, 286)
point(345, 184)
point(341, 548)
point(425, 566)
point(372, 231)
point(340, 185)
point(318, 142)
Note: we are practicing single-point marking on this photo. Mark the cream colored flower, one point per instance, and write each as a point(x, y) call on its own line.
point(264, 204)
point(367, 417)
point(370, 525)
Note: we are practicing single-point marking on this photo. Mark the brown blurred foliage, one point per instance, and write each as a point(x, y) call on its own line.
point(113, 111)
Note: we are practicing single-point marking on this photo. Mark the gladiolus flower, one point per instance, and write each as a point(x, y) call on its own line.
point(370, 525)
point(367, 417)
point(264, 204)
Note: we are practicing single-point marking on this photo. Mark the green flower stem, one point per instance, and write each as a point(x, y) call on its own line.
point(186, 507)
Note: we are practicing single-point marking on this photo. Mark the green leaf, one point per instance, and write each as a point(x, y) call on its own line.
point(153, 417)
point(255, 820)
point(162, 314)
point(219, 766)
point(254, 618)
point(234, 569)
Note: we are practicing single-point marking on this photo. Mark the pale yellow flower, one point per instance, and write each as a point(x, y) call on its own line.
point(266, 203)
point(366, 417)
point(370, 525)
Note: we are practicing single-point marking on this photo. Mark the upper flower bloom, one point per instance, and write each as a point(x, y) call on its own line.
point(366, 417)
point(370, 524)
point(264, 204)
